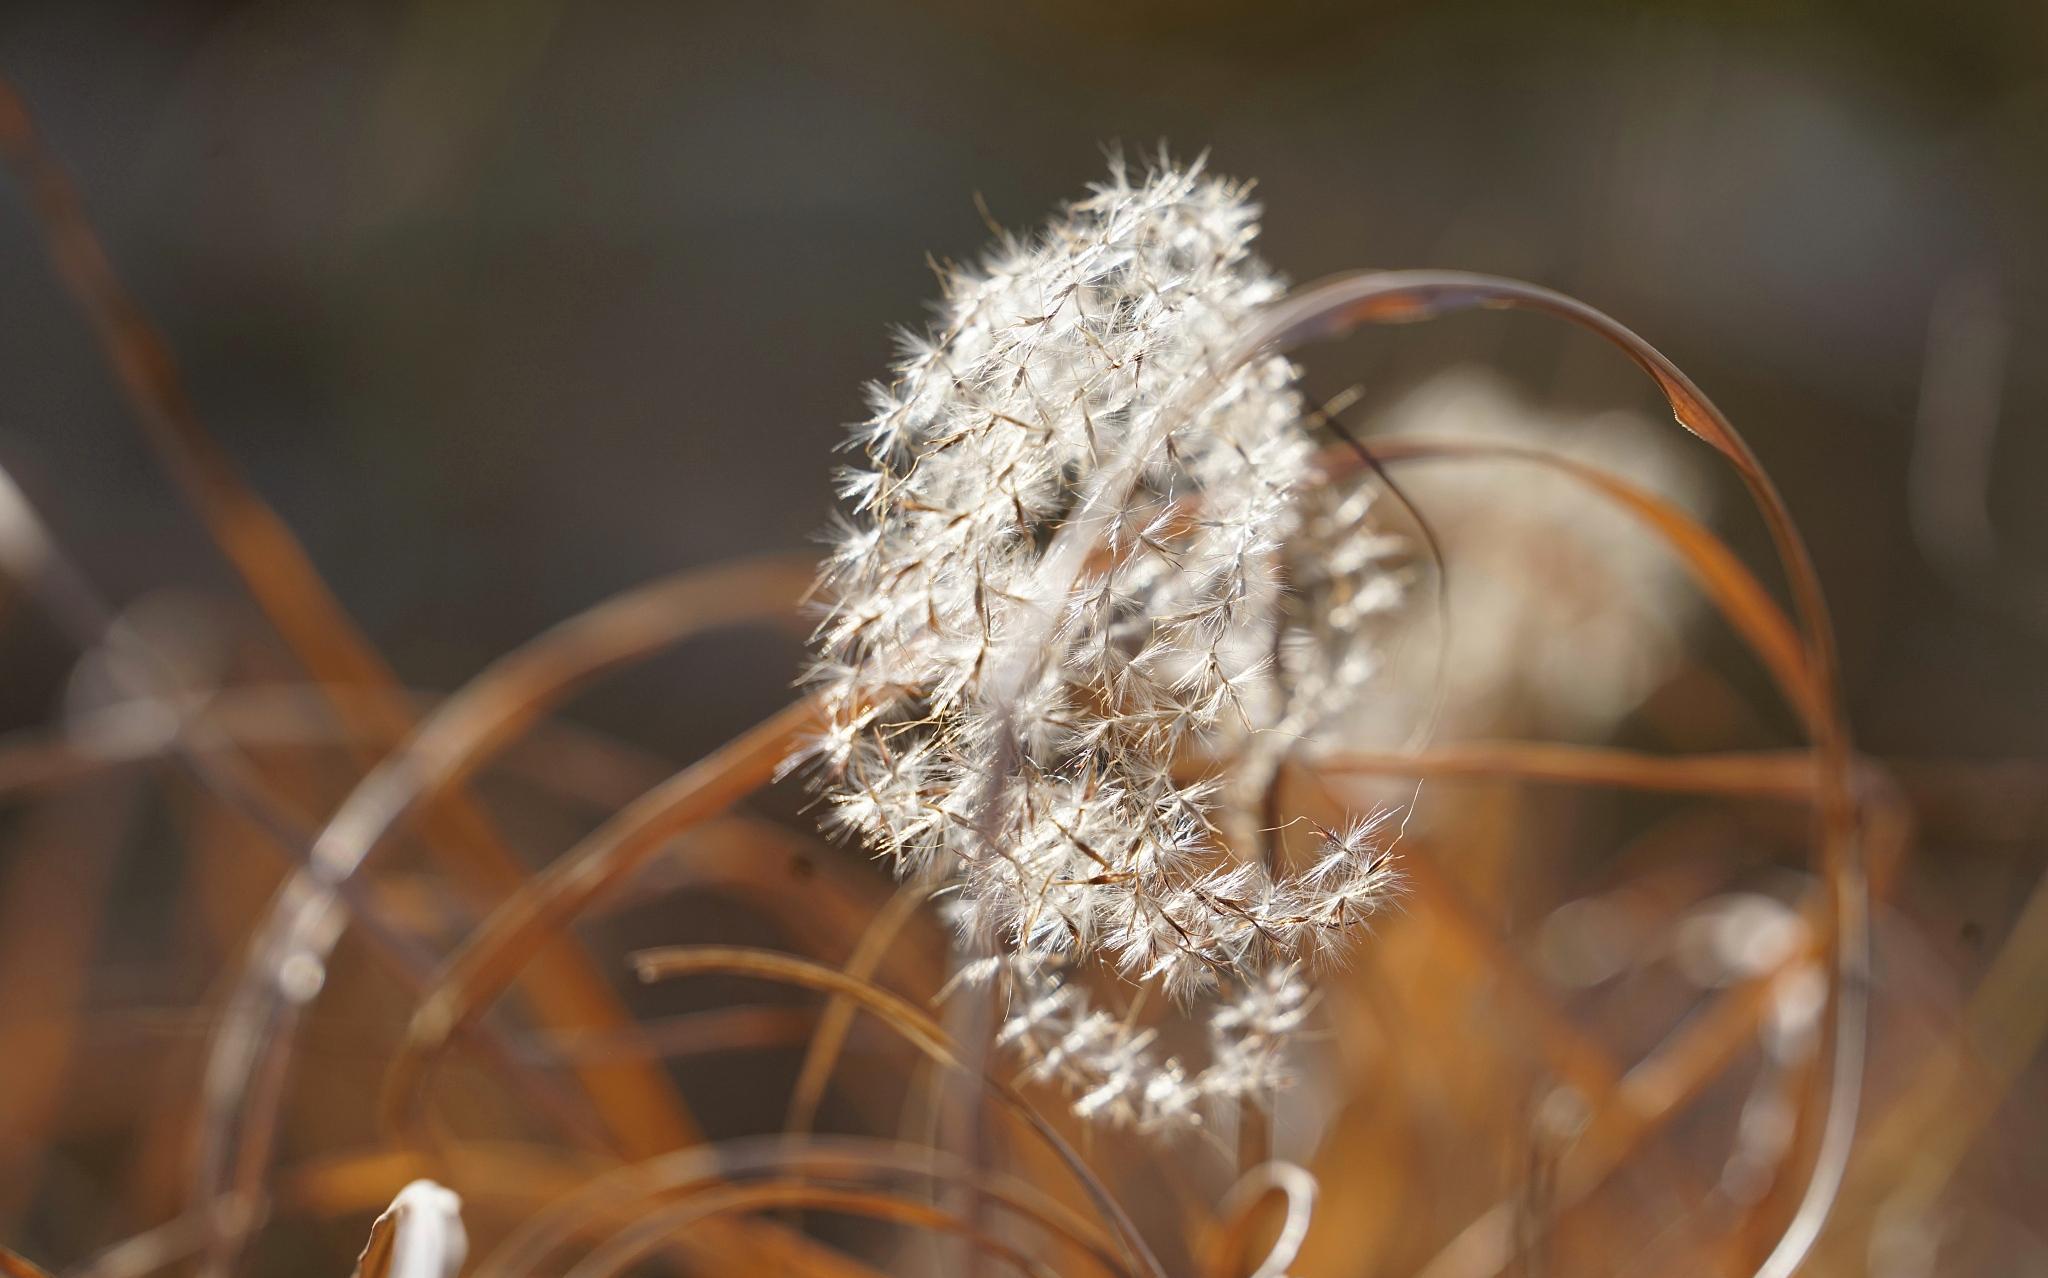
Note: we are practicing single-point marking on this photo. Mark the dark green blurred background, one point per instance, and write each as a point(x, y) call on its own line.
point(508, 305)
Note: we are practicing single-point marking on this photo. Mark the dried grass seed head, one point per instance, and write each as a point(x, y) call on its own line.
point(1060, 816)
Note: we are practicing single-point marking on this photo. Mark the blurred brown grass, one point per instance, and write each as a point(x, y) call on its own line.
point(391, 972)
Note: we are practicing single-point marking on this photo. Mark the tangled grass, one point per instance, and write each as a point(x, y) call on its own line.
point(1089, 644)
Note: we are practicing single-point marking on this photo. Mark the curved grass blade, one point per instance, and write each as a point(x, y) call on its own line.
point(917, 1028)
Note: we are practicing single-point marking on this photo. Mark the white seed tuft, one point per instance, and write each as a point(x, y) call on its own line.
point(1224, 602)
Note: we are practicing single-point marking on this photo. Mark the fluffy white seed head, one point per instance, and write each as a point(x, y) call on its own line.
point(1224, 601)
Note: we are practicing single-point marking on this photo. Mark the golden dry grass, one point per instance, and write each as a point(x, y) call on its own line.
point(405, 986)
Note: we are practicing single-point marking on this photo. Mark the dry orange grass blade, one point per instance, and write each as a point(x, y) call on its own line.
point(1786, 775)
point(1338, 305)
point(1576, 1056)
point(535, 1186)
point(617, 1195)
point(1915, 1146)
point(1737, 595)
point(918, 1029)
point(643, 1107)
point(646, 1238)
point(495, 954)
point(250, 718)
point(1656, 1090)
point(52, 902)
point(828, 911)
point(1791, 775)
point(15, 1265)
point(821, 902)
point(558, 1199)
point(262, 549)
point(174, 1242)
point(507, 699)
point(713, 1031)
point(635, 1199)
point(230, 1156)
point(526, 1177)
point(458, 738)
point(822, 1053)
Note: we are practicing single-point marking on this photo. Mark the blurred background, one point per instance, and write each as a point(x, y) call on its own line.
point(508, 305)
